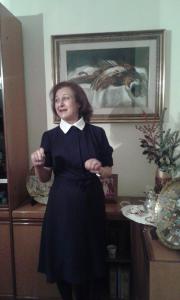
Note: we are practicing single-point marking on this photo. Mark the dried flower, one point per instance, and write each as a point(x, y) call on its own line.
point(159, 145)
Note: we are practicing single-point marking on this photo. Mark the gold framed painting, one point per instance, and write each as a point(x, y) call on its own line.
point(122, 73)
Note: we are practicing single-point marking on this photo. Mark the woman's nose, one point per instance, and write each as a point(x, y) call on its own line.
point(60, 102)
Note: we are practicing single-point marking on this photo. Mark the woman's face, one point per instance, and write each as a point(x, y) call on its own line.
point(66, 106)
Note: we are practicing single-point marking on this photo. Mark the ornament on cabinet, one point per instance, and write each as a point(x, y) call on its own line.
point(38, 190)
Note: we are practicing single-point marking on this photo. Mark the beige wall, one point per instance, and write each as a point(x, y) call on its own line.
point(43, 18)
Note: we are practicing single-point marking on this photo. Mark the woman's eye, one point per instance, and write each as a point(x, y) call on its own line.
point(66, 98)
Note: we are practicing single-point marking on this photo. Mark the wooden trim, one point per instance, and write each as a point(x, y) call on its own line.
point(4, 216)
point(147, 238)
point(36, 298)
point(35, 213)
point(6, 272)
point(5, 222)
point(7, 297)
point(27, 222)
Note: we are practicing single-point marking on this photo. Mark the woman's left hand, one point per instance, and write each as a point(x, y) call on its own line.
point(93, 165)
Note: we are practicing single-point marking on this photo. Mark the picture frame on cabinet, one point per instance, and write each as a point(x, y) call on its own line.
point(122, 73)
point(110, 188)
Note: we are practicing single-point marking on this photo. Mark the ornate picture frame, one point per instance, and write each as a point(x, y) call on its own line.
point(110, 188)
point(122, 73)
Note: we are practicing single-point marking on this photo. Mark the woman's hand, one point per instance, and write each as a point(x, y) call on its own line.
point(38, 157)
point(92, 165)
point(38, 160)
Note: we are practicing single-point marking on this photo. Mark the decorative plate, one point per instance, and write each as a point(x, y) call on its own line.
point(168, 214)
point(138, 214)
point(37, 189)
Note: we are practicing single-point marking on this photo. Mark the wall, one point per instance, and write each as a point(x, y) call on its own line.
point(43, 18)
point(169, 19)
point(6, 3)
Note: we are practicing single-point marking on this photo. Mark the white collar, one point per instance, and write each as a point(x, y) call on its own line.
point(65, 126)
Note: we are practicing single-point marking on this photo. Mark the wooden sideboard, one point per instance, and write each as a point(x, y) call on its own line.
point(156, 267)
point(27, 222)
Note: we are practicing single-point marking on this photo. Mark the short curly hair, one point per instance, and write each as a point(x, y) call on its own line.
point(85, 109)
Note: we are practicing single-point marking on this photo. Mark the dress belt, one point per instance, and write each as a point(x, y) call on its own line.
point(82, 182)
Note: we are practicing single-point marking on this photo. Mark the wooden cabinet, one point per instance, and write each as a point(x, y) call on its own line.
point(30, 283)
point(156, 268)
point(27, 221)
point(6, 263)
point(13, 133)
point(13, 142)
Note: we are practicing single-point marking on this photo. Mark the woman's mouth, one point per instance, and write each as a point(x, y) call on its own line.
point(62, 110)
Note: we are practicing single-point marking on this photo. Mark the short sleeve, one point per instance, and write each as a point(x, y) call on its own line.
point(46, 145)
point(105, 150)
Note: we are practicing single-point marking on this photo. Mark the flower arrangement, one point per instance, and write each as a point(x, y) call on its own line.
point(160, 145)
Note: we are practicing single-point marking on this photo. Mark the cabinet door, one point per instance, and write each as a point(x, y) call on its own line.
point(30, 283)
point(13, 125)
point(140, 278)
point(6, 277)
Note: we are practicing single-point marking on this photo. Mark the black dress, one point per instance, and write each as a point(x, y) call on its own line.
point(73, 233)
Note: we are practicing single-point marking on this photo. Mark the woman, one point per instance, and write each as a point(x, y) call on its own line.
point(72, 251)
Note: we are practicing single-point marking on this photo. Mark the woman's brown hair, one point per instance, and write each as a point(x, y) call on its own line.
point(85, 109)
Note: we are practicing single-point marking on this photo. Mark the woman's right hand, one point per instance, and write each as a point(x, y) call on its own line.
point(38, 157)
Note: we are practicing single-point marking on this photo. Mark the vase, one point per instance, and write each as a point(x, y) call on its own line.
point(161, 178)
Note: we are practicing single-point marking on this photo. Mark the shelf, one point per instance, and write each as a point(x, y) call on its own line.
point(119, 260)
point(116, 298)
point(3, 180)
point(28, 211)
